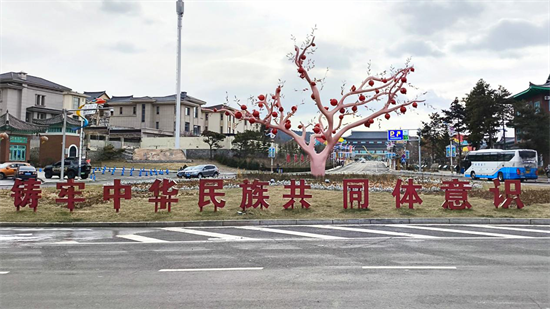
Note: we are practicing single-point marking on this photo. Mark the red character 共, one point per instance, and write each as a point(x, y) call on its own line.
point(410, 196)
point(26, 193)
point(356, 190)
point(68, 191)
point(510, 195)
point(254, 194)
point(301, 194)
point(164, 194)
point(456, 192)
point(208, 194)
point(119, 192)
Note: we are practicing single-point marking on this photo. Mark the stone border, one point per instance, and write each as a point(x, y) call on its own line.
point(527, 221)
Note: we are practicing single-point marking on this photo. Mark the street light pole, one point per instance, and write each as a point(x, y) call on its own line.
point(179, 11)
point(62, 175)
point(419, 151)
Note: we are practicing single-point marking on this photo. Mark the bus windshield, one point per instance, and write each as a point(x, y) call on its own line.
point(526, 155)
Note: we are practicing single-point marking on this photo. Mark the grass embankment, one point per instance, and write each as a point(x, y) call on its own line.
point(161, 166)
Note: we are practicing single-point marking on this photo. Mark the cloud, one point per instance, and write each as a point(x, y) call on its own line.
point(334, 56)
point(414, 47)
point(125, 47)
point(120, 7)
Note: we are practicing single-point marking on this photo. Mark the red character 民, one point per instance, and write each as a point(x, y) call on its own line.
point(208, 194)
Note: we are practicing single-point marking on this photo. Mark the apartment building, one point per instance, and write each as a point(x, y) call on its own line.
point(225, 124)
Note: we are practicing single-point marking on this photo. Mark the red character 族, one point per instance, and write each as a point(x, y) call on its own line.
point(208, 194)
point(164, 194)
point(254, 194)
point(26, 193)
point(456, 192)
point(511, 195)
point(356, 190)
point(119, 192)
point(68, 191)
point(410, 196)
point(301, 187)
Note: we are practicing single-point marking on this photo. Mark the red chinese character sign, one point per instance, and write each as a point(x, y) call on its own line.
point(118, 192)
point(254, 194)
point(68, 193)
point(164, 194)
point(356, 190)
point(297, 191)
point(410, 195)
point(456, 194)
point(26, 193)
point(208, 193)
point(512, 192)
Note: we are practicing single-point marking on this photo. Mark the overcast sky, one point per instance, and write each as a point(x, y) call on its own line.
point(239, 47)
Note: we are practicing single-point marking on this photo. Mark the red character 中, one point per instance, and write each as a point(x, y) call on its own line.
point(510, 196)
point(456, 192)
point(208, 194)
point(164, 194)
point(68, 191)
point(356, 190)
point(410, 196)
point(26, 193)
point(119, 192)
point(254, 194)
point(301, 194)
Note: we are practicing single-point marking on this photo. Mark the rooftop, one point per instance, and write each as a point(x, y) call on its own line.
point(533, 89)
point(16, 77)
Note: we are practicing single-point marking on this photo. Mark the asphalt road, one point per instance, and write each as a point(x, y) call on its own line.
point(354, 266)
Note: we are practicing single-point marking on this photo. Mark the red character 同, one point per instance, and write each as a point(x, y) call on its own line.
point(254, 194)
point(68, 190)
point(455, 192)
point(356, 190)
point(208, 194)
point(119, 192)
point(164, 194)
point(510, 196)
point(410, 196)
point(26, 193)
point(301, 194)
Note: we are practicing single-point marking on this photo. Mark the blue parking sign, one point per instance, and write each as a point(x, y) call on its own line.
point(395, 135)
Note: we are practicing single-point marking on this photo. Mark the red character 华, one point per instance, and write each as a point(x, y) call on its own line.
point(301, 194)
point(26, 193)
point(356, 190)
point(410, 196)
point(510, 195)
point(208, 194)
point(456, 192)
point(119, 192)
point(254, 194)
point(164, 194)
point(68, 191)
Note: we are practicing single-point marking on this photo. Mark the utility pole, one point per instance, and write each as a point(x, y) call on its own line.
point(419, 151)
point(62, 175)
point(179, 11)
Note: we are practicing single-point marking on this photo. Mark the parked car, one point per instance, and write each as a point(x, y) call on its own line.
point(71, 169)
point(199, 171)
point(25, 172)
point(9, 169)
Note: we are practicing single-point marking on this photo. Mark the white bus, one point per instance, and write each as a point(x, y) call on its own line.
point(501, 164)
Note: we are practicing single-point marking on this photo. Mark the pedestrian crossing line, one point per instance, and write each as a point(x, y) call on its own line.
point(4, 272)
point(141, 239)
point(296, 233)
point(510, 228)
point(458, 231)
point(362, 230)
point(206, 233)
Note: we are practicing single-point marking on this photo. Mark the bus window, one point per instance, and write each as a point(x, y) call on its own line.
point(492, 157)
point(508, 156)
point(527, 154)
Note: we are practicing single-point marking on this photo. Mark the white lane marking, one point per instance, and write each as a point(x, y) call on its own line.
point(458, 231)
point(509, 228)
point(141, 239)
point(4, 272)
point(208, 234)
point(67, 242)
point(212, 269)
point(304, 234)
point(361, 230)
point(409, 267)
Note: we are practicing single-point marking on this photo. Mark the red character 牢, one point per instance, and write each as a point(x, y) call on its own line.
point(208, 194)
point(356, 190)
point(510, 195)
point(456, 192)
point(26, 193)
point(410, 196)
point(119, 192)
point(254, 194)
point(301, 194)
point(68, 191)
point(164, 194)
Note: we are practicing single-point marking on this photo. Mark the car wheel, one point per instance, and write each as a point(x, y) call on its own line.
point(48, 174)
point(179, 176)
point(500, 176)
point(2, 176)
point(84, 176)
point(199, 176)
point(473, 175)
point(70, 175)
point(216, 174)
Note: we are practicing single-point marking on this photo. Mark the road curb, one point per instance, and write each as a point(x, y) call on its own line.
point(207, 223)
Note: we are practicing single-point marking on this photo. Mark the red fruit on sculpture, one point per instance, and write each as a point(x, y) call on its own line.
point(341, 116)
point(274, 114)
point(294, 108)
point(326, 107)
point(354, 109)
point(312, 96)
point(273, 97)
point(371, 121)
point(384, 80)
point(387, 116)
point(415, 105)
point(403, 109)
point(274, 131)
point(301, 70)
point(252, 120)
point(287, 125)
point(281, 109)
point(333, 131)
point(392, 101)
point(303, 57)
point(238, 115)
point(316, 130)
point(299, 126)
point(243, 107)
point(227, 113)
point(342, 110)
point(256, 113)
point(412, 69)
point(313, 44)
point(278, 89)
point(361, 98)
point(215, 110)
point(367, 124)
point(261, 97)
point(377, 91)
point(333, 102)
point(403, 79)
point(353, 88)
point(260, 105)
point(371, 83)
point(403, 90)
point(313, 84)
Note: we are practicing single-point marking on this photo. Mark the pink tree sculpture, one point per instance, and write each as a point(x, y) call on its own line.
point(335, 118)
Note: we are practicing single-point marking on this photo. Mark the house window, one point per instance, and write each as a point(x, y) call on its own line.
point(174, 126)
point(221, 130)
point(142, 112)
point(206, 116)
point(157, 125)
point(537, 107)
point(196, 130)
point(40, 116)
point(187, 111)
point(120, 110)
point(76, 102)
point(196, 112)
point(221, 116)
point(187, 127)
point(40, 99)
point(174, 110)
point(158, 110)
point(133, 110)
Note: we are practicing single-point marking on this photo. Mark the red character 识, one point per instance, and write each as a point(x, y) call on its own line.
point(164, 194)
point(208, 194)
point(356, 190)
point(510, 195)
point(26, 193)
point(254, 194)
point(456, 192)
point(410, 196)
point(301, 194)
point(68, 191)
point(119, 192)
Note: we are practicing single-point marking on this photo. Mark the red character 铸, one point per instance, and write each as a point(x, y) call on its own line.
point(26, 193)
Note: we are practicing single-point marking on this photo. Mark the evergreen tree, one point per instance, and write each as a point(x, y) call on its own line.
point(213, 139)
point(532, 127)
point(435, 137)
point(456, 117)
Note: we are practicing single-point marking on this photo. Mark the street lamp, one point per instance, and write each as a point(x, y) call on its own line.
point(179, 11)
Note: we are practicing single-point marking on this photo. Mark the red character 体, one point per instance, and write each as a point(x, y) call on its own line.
point(456, 192)
point(164, 194)
point(208, 194)
point(511, 195)
point(68, 191)
point(254, 194)
point(301, 194)
point(26, 193)
point(119, 192)
point(410, 196)
point(356, 190)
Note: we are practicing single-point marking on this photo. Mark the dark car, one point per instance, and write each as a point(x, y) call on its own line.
point(199, 171)
point(25, 172)
point(71, 169)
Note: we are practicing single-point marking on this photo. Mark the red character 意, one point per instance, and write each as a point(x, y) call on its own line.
point(301, 194)
point(164, 194)
point(456, 192)
point(68, 191)
point(26, 193)
point(356, 190)
point(119, 192)
point(410, 196)
point(208, 194)
point(511, 195)
point(254, 194)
